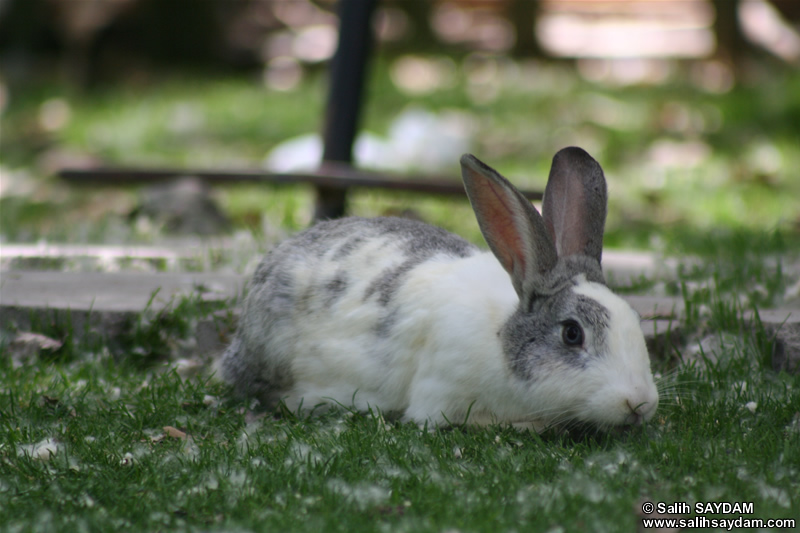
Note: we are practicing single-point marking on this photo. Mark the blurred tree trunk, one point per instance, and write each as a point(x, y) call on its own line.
point(80, 23)
point(95, 40)
point(790, 9)
point(523, 14)
point(419, 14)
point(26, 32)
point(732, 45)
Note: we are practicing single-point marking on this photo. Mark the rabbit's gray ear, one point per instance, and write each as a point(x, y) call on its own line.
point(574, 206)
point(511, 226)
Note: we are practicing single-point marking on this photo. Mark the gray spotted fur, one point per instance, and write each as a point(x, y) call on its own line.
point(545, 300)
point(275, 298)
point(546, 256)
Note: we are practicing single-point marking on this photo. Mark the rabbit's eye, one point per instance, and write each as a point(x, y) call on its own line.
point(572, 333)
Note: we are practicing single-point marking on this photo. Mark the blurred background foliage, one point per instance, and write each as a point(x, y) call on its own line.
point(691, 106)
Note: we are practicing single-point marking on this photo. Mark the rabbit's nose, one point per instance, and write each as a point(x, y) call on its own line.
point(638, 412)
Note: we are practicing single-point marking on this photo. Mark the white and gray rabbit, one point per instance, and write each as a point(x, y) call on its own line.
point(407, 318)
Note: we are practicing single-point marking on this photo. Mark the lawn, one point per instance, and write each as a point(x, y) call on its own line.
point(98, 435)
point(679, 159)
point(92, 444)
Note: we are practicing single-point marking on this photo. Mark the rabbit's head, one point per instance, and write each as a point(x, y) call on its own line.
point(576, 348)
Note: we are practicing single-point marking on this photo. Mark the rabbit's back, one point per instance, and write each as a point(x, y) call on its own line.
point(322, 308)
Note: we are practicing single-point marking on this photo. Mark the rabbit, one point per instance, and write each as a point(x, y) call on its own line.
point(406, 318)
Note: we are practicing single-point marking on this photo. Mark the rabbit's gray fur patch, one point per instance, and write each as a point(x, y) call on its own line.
point(397, 315)
point(276, 298)
point(526, 334)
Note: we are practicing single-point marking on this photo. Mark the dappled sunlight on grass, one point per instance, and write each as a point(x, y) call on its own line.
point(676, 156)
point(131, 429)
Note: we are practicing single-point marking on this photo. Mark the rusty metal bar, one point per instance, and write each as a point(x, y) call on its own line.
point(337, 177)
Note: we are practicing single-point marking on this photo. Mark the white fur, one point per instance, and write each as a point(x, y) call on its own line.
point(444, 355)
point(376, 322)
point(445, 361)
point(624, 380)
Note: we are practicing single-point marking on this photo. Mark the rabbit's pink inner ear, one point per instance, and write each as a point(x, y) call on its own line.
point(496, 216)
point(513, 229)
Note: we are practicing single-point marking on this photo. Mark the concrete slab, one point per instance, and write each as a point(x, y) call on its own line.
point(179, 256)
point(106, 305)
point(655, 307)
point(623, 267)
point(108, 302)
point(620, 266)
point(131, 291)
point(116, 292)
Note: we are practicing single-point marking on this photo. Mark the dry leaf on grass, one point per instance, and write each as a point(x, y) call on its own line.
point(175, 433)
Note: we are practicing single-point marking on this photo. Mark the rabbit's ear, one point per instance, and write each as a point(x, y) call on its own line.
point(574, 206)
point(511, 226)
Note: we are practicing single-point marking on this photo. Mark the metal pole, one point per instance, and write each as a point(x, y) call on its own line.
point(345, 96)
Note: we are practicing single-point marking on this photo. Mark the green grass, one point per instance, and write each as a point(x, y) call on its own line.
point(748, 143)
point(113, 468)
point(727, 430)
